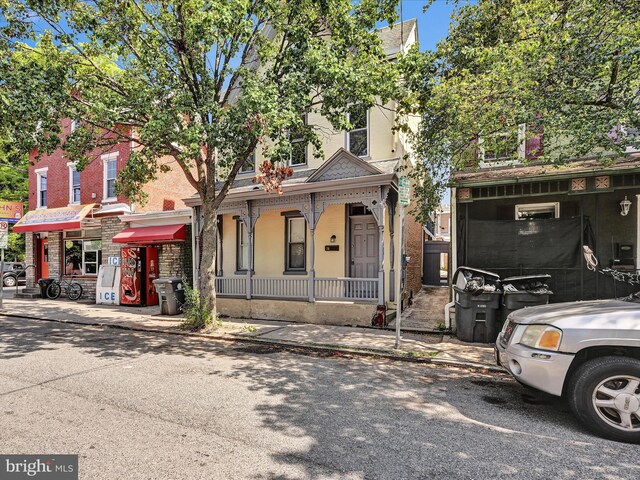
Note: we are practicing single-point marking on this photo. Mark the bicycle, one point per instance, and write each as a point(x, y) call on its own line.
point(72, 289)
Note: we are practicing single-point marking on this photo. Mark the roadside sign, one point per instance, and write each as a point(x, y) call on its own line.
point(10, 211)
point(403, 191)
point(4, 235)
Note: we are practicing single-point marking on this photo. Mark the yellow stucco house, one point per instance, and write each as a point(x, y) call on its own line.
point(325, 250)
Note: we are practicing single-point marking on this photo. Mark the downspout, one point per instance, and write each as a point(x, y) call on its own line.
point(453, 225)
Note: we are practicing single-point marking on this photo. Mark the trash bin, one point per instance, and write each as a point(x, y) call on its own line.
point(524, 291)
point(477, 298)
point(44, 284)
point(171, 293)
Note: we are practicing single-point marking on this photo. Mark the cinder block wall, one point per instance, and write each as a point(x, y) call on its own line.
point(55, 253)
point(110, 226)
point(30, 259)
point(175, 259)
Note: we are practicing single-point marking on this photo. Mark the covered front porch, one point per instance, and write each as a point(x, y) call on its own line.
point(322, 252)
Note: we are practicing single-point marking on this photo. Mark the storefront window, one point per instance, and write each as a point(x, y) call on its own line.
point(82, 257)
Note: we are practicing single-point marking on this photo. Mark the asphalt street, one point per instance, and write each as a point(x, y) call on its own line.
point(149, 406)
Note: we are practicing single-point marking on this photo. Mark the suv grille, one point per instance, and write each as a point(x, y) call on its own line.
point(508, 331)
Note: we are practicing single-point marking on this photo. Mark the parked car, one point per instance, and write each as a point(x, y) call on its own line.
point(13, 273)
point(586, 351)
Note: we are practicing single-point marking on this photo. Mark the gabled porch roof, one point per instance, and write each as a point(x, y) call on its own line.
point(342, 170)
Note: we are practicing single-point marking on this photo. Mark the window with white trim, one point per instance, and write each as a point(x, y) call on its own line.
point(358, 136)
point(74, 125)
point(82, 257)
point(503, 148)
point(298, 146)
point(249, 165)
point(110, 162)
point(537, 211)
point(296, 244)
point(242, 246)
point(74, 184)
point(41, 187)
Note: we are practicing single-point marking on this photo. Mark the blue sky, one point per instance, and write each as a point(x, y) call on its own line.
point(432, 24)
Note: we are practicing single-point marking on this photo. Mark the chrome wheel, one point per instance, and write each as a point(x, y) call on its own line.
point(617, 401)
point(10, 281)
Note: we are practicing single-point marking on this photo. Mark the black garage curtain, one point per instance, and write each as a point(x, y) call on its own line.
point(551, 243)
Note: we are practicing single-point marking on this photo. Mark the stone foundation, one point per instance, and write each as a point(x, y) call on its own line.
point(322, 313)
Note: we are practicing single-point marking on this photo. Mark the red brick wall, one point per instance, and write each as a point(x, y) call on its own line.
point(168, 190)
point(91, 178)
point(165, 193)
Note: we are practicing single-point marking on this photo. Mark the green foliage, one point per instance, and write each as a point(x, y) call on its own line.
point(568, 69)
point(197, 316)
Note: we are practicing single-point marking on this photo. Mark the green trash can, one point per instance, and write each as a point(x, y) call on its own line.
point(44, 284)
point(477, 312)
point(524, 291)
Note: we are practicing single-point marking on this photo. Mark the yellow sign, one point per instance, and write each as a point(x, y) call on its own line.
point(10, 212)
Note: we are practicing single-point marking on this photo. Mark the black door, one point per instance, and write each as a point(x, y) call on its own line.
point(435, 263)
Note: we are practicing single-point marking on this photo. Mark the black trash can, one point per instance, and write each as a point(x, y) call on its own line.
point(44, 284)
point(477, 308)
point(524, 291)
point(171, 293)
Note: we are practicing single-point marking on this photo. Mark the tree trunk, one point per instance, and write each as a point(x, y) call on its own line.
point(208, 258)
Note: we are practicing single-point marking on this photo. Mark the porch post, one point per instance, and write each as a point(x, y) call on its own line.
point(381, 250)
point(392, 253)
point(312, 246)
point(249, 226)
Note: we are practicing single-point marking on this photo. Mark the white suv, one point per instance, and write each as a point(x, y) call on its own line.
point(587, 351)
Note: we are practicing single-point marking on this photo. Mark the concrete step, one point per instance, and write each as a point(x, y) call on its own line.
point(26, 295)
point(28, 292)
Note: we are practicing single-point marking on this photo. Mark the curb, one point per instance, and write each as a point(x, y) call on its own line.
point(283, 344)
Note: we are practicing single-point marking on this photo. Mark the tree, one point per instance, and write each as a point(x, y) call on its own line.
point(204, 82)
point(568, 68)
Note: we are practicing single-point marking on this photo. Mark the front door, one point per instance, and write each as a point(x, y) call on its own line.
point(364, 247)
point(43, 258)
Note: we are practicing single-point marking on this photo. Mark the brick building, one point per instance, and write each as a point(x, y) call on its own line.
point(73, 216)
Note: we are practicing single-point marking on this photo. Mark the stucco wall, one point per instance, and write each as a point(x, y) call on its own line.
point(324, 313)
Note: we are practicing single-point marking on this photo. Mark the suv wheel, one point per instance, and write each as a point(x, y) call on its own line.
point(604, 393)
point(9, 281)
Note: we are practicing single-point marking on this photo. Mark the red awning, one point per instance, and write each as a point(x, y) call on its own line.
point(148, 235)
point(51, 219)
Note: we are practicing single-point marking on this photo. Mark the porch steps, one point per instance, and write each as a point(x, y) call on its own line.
point(28, 292)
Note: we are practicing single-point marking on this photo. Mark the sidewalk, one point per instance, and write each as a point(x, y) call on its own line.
point(429, 348)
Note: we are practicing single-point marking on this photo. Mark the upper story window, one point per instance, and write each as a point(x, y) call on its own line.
point(74, 184)
point(110, 161)
point(298, 146)
point(502, 148)
point(41, 187)
point(358, 136)
point(250, 164)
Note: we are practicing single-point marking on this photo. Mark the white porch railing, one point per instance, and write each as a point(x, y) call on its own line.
point(231, 286)
point(286, 287)
point(339, 288)
point(347, 288)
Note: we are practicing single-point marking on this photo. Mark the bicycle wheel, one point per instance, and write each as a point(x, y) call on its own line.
point(53, 290)
point(75, 291)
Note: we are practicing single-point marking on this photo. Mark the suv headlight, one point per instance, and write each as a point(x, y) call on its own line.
point(544, 337)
